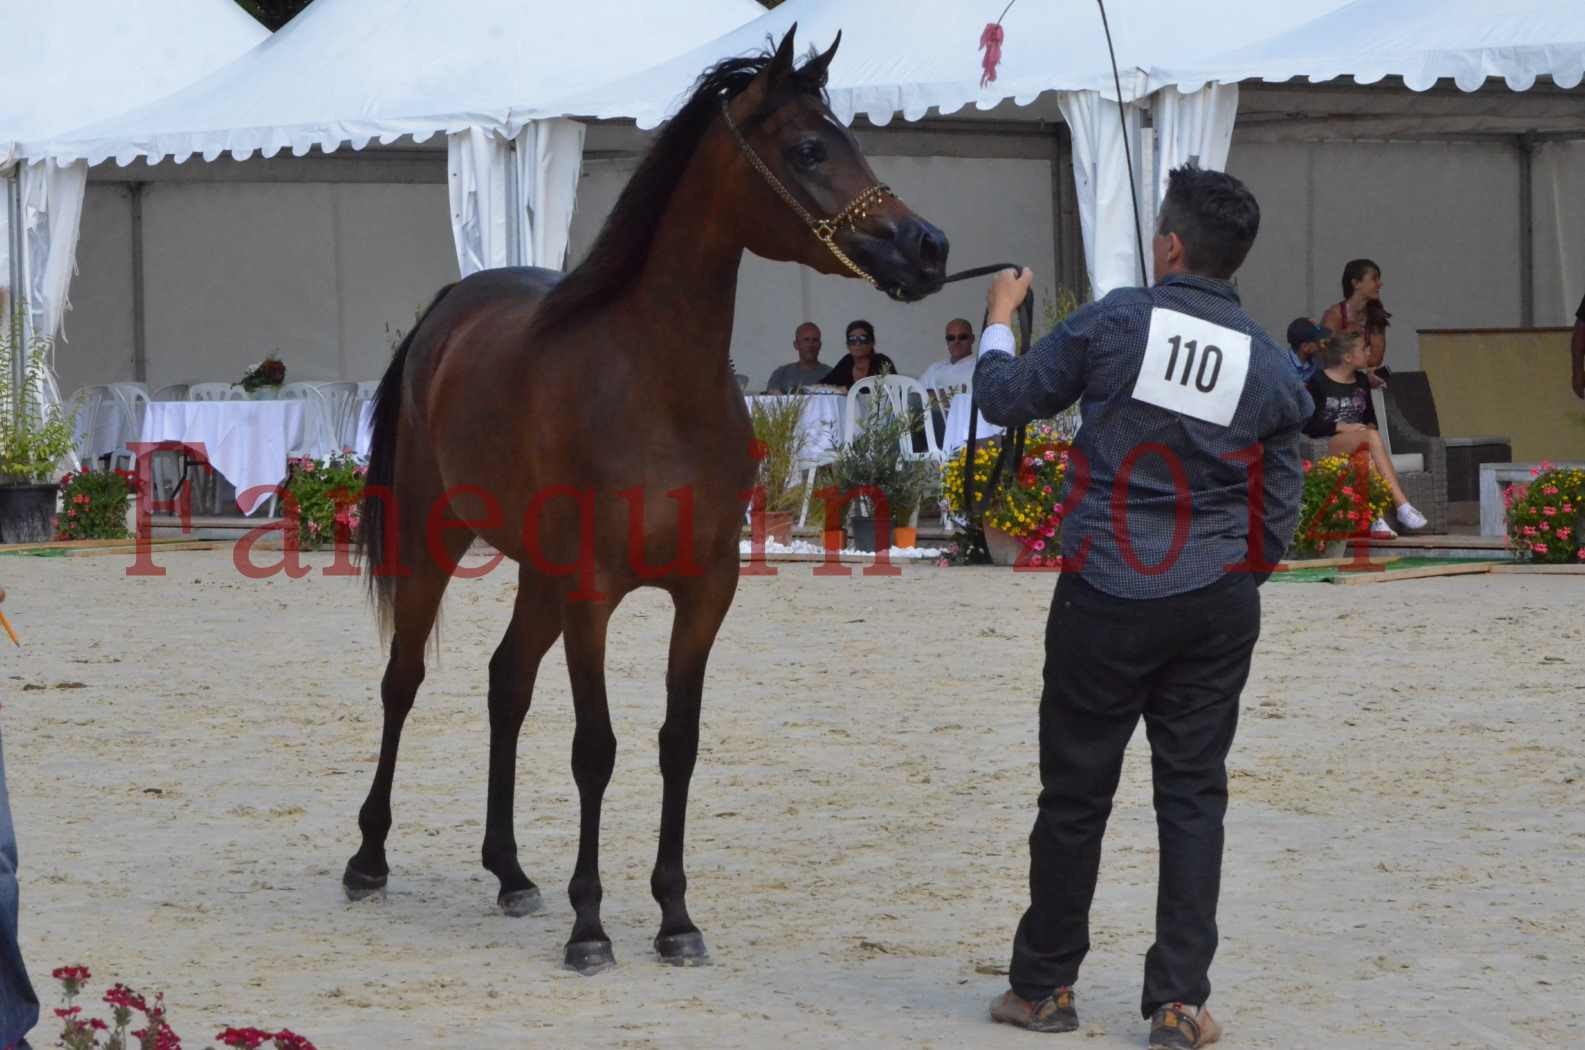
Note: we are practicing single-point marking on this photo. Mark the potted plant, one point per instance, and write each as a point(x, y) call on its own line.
point(1334, 507)
point(263, 381)
point(1024, 515)
point(872, 465)
point(325, 497)
point(782, 444)
point(1546, 517)
point(32, 442)
point(97, 505)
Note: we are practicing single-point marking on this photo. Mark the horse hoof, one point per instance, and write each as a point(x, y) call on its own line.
point(360, 886)
point(683, 949)
point(589, 957)
point(519, 903)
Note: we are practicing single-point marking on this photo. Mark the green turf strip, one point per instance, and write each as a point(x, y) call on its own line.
point(1329, 574)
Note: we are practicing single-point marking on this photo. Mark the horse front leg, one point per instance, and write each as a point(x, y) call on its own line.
point(700, 608)
point(593, 757)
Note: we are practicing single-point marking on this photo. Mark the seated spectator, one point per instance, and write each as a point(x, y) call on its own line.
point(1345, 415)
point(807, 370)
point(1360, 310)
point(862, 359)
point(1305, 338)
point(955, 374)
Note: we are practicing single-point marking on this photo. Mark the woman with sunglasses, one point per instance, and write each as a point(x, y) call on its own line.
point(862, 359)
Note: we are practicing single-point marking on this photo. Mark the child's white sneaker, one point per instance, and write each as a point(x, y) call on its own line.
point(1380, 530)
point(1410, 518)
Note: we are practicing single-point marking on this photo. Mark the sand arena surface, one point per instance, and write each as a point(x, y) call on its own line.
point(1406, 841)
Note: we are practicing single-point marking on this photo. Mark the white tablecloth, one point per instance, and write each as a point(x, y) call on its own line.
point(246, 441)
point(958, 426)
point(824, 416)
point(365, 430)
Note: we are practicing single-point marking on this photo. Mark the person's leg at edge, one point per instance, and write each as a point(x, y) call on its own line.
point(1191, 717)
point(19, 1004)
point(1090, 705)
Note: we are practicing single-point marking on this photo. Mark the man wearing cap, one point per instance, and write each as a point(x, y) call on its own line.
point(1305, 338)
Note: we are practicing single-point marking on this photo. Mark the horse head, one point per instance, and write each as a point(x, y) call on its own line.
point(808, 193)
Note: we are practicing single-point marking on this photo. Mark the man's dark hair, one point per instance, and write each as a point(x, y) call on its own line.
point(860, 326)
point(1214, 215)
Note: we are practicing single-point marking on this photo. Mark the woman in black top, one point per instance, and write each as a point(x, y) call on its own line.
point(1346, 417)
point(861, 360)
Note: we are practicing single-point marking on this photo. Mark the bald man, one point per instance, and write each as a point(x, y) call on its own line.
point(807, 370)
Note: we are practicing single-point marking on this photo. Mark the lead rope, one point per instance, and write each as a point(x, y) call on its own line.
point(974, 508)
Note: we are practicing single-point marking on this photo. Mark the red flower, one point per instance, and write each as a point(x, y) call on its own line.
point(63, 1014)
point(244, 1037)
point(286, 1039)
point(70, 973)
point(121, 995)
point(97, 1025)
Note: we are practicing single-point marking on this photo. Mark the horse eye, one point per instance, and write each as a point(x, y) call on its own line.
point(809, 153)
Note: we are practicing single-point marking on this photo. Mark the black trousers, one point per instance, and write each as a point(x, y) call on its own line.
point(1181, 662)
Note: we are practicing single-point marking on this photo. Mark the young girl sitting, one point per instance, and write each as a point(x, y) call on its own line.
point(1344, 415)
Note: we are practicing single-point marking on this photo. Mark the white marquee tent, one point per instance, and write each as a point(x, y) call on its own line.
point(348, 73)
point(71, 62)
point(885, 67)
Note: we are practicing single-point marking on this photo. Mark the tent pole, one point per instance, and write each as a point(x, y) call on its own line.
point(140, 351)
point(514, 207)
point(1527, 148)
point(15, 319)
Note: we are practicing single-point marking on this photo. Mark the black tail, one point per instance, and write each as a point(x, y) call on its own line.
point(379, 482)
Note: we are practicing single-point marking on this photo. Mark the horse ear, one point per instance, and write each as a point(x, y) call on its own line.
point(818, 65)
point(782, 64)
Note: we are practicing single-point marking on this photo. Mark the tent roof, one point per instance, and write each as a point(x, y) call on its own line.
point(353, 71)
point(1421, 41)
point(70, 62)
point(909, 56)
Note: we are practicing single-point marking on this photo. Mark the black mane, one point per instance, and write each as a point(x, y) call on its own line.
point(619, 252)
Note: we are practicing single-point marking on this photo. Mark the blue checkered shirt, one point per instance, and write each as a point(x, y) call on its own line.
point(1094, 357)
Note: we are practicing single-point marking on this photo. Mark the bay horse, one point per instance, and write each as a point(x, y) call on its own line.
point(588, 426)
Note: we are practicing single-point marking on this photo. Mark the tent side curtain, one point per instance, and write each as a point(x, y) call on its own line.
point(1196, 127)
point(512, 199)
point(1101, 176)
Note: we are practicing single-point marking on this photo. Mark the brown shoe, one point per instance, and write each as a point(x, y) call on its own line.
point(1054, 1013)
point(1179, 1027)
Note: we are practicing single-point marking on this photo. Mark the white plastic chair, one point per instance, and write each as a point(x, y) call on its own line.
point(342, 402)
point(318, 438)
point(216, 392)
point(906, 396)
point(91, 403)
point(171, 392)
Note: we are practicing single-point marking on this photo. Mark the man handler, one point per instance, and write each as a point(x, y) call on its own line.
point(1186, 483)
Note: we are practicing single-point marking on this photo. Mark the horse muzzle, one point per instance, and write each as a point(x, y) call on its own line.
point(908, 261)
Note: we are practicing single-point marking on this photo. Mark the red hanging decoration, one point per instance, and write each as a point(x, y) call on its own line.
point(991, 43)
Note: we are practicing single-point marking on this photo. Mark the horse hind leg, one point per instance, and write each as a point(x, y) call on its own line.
point(415, 604)
point(536, 624)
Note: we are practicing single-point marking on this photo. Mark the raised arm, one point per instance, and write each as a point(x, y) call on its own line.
point(1050, 377)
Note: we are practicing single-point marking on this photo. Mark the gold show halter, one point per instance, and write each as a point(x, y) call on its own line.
point(825, 230)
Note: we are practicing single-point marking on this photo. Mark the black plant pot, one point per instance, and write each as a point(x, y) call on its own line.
point(27, 513)
point(861, 534)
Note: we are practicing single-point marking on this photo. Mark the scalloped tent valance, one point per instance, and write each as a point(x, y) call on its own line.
point(911, 56)
point(352, 72)
point(1421, 41)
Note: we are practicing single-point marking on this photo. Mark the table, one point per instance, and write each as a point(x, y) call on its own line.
point(1494, 478)
point(246, 441)
point(824, 417)
point(957, 433)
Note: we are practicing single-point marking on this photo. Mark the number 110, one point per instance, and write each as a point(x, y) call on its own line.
point(1201, 383)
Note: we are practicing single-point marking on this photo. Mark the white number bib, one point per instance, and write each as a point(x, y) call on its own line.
point(1193, 366)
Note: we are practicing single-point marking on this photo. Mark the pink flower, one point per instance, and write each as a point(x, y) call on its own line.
point(1039, 545)
point(1580, 554)
point(1539, 548)
point(1050, 456)
point(1550, 512)
point(1550, 490)
point(1037, 560)
point(1046, 491)
point(1307, 465)
point(1564, 532)
point(1048, 531)
point(1545, 527)
point(1528, 530)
